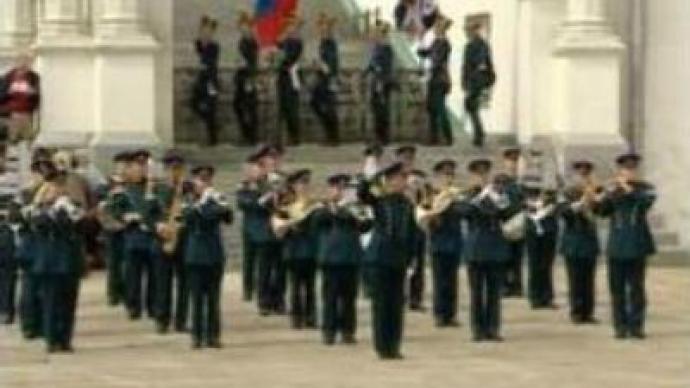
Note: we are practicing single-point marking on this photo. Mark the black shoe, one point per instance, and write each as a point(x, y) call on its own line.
point(162, 329)
point(452, 323)
point(620, 335)
point(134, 315)
point(590, 321)
point(477, 337)
point(215, 344)
point(53, 348)
point(66, 348)
point(638, 334)
point(349, 339)
point(264, 312)
point(311, 324)
point(196, 345)
point(328, 339)
point(417, 307)
point(181, 329)
point(495, 338)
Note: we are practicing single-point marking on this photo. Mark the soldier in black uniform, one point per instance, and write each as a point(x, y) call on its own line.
point(513, 286)
point(381, 67)
point(541, 239)
point(477, 76)
point(444, 227)
point(247, 194)
point(439, 84)
point(339, 226)
point(324, 100)
point(290, 80)
point(205, 98)
point(246, 99)
point(388, 254)
point(630, 244)
point(486, 207)
point(580, 241)
point(8, 269)
point(58, 260)
point(205, 256)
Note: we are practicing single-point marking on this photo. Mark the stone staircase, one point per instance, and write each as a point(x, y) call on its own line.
point(348, 158)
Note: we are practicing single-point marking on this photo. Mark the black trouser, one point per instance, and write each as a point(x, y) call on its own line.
point(165, 274)
point(541, 252)
point(485, 278)
point(302, 292)
point(140, 283)
point(8, 293)
point(445, 274)
point(31, 309)
point(388, 302)
point(418, 263)
point(249, 266)
point(439, 123)
point(246, 107)
point(59, 294)
point(472, 105)
point(324, 104)
point(289, 104)
point(581, 275)
point(115, 266)
point(181, 294)
point(205, 105)
point(513, 274)
point(628, 295)
point(381, 109)
point(205, 288)
point(339, 288)
point(271, 295)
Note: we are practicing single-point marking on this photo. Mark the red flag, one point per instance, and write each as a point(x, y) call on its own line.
point(271, 17)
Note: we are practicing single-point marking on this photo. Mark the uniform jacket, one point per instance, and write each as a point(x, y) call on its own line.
point(338, 237)
point(204, 241)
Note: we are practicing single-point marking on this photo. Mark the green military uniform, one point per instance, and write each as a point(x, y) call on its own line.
point(486, 253)
point(58, 265)
point(205, 261)
point(381, 67)
point(246, 196)
point(513, 283)
point(387, 256)
point(630, 243)
point(289, 86)
point(31, 312)
point(580, 248)
point(8, 272)
point(140, 214)
point(438, 87)
point(324, 100)
point(541, 239)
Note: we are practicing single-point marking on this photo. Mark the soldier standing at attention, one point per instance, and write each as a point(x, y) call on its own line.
point(168, 265)
point(477, 76)
point(8, 269)
point(444, 228)
point(630, 243)
point(290, 80)
point(324, 100)
point(339, 255)
point(246, 99)
point(58, 261)
point(247, 195)
point(513, 286)
point(439, 84)
point(136, 207)
point(486, 207)
point(580, 241)
point(381, 67)
point(388, 254)
point(205, 256)
point(205, 99)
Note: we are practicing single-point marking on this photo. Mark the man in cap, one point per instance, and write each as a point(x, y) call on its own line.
point(387, 256)
point(289, 79)
point(247, 194)
point(513, 285)
point(630, 243)
point(339, 256)
point(486, 207)
point(381, 67)
point(477, 76)
point(246, 98)
point(324, 99)
point(580, 241)
point(439, 84)
point(205, 256)
point(205, 97)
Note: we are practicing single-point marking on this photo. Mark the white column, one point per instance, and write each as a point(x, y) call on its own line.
point(16, 23)
point(125, 73)
point(61, 18)
point(588, 79)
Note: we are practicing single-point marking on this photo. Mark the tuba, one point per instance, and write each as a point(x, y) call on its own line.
point(292, 214)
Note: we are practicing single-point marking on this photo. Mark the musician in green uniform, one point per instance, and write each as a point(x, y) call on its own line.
point(136, 206)
point(300, 245)
point(339, 225)
point(630, 243)
point(169, 264)
point(205, 256)
point(388, 255)
point(485, 207)
point(58, 260)
point(247, 194)
point(290, 80)
point(513, 285)
point(8, 269)
point(381, 68)
point(478, 76)
point(442, 217)
point(580, 241)
point(439, 84)
point(324, 100)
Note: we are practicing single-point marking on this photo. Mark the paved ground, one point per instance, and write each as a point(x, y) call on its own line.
point(542, 350)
